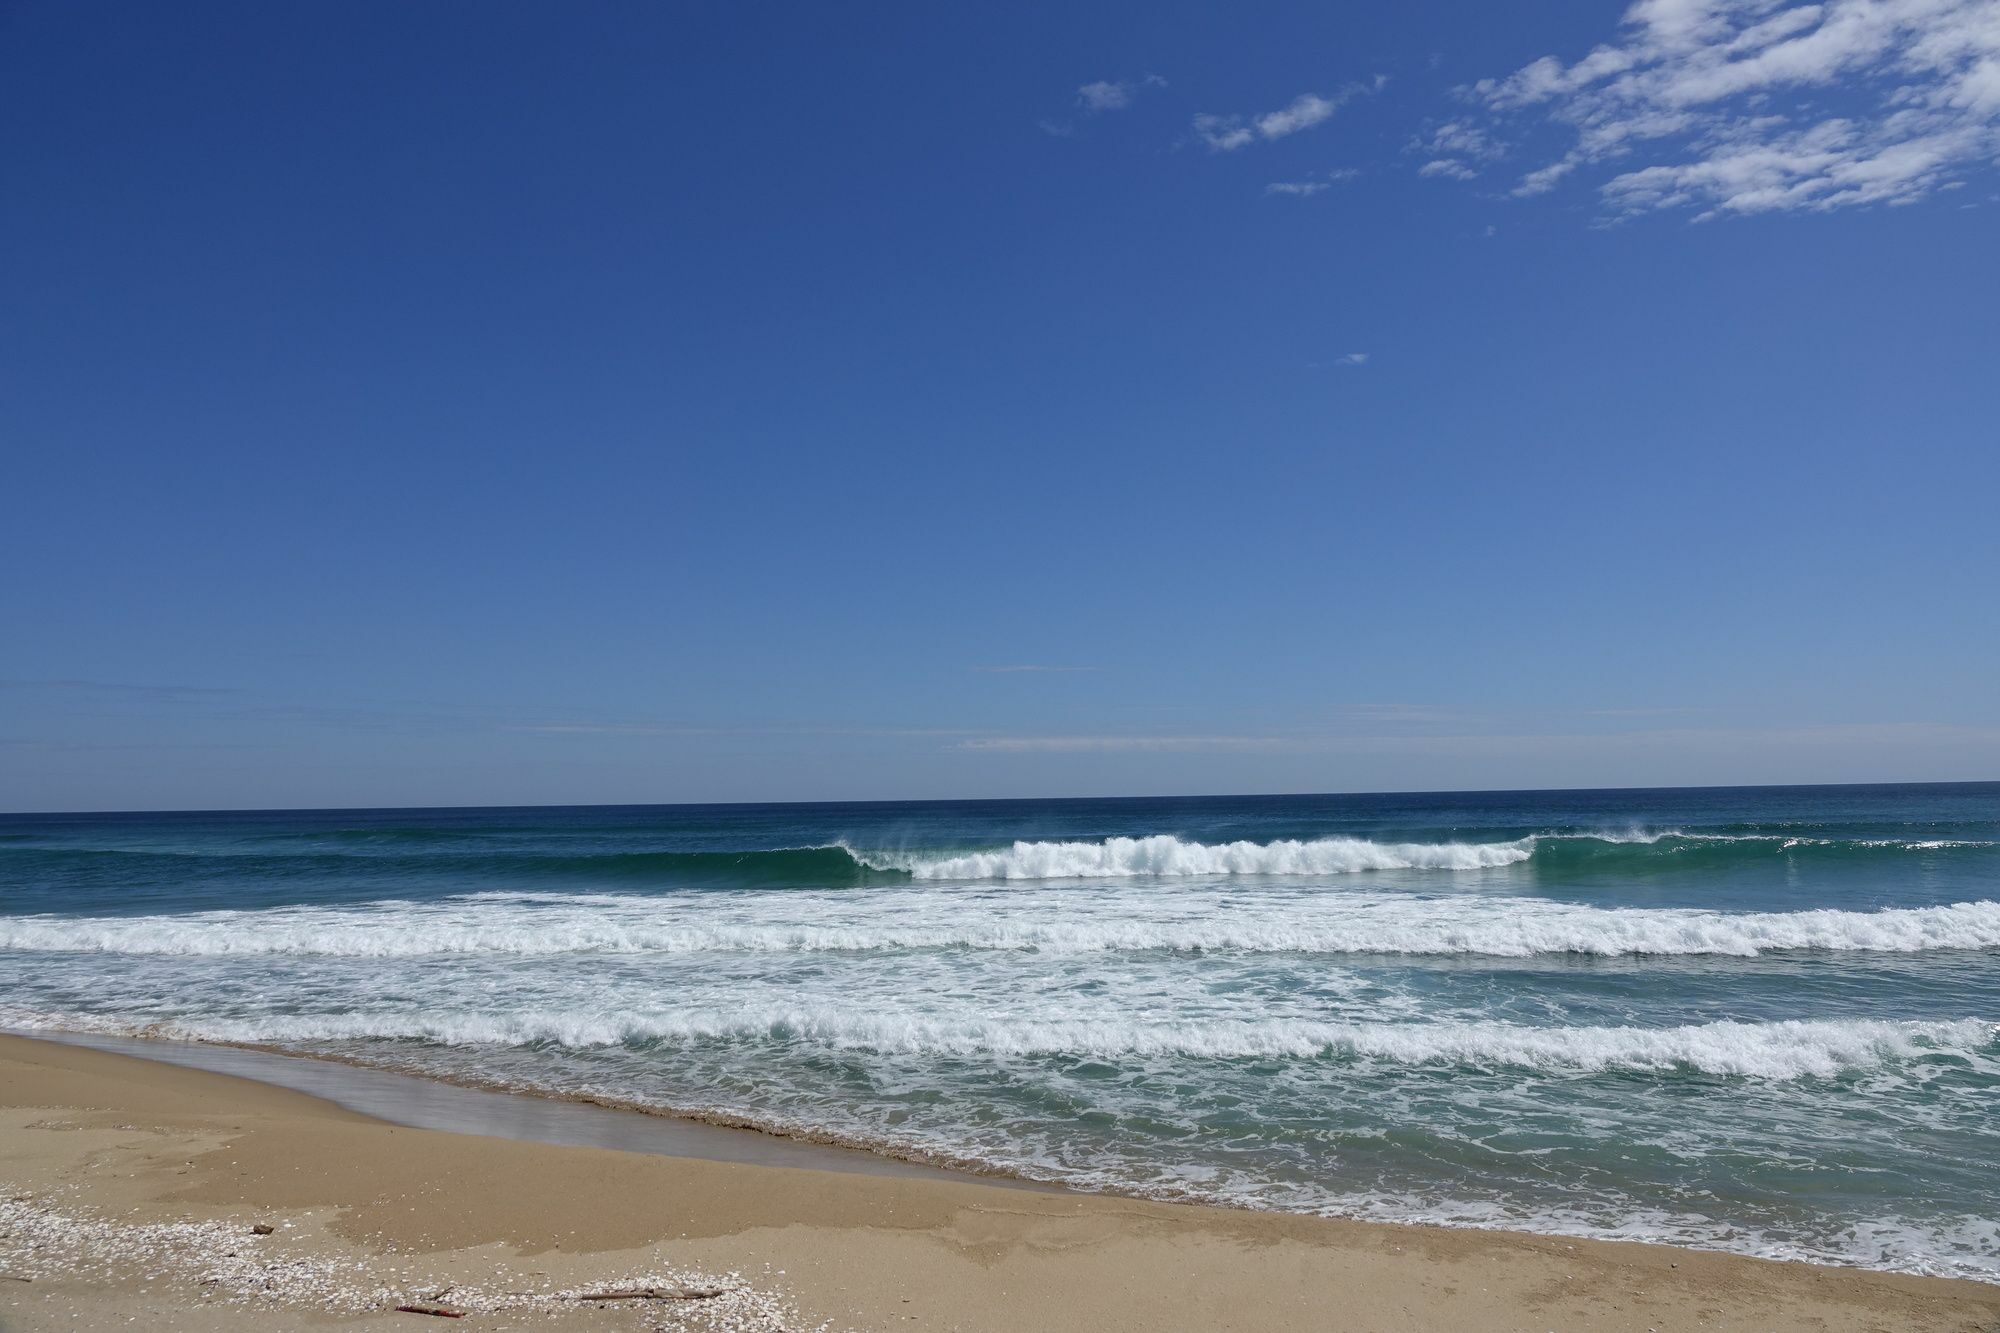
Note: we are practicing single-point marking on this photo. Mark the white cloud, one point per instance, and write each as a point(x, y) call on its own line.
point(1104, 96)
point(1306, 111)
point(1352, 359)
point(1758, 106)
point(1453, 148)
point(1225, 134)
point(1309, 187)
point(1461, 138)
point(1543, 179)
point(1831, 165)
point(1114, 94)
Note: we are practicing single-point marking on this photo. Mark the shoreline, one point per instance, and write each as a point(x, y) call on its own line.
point(135, 1142)
point(419, 1099)
point(423, 1099)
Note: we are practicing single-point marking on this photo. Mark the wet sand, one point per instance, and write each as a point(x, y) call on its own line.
point(130, 1189)
point(419, 1102)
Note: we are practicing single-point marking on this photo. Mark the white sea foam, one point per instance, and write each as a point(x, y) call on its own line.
point(1164, 854)
point(1779, 1050)
point(1167, 855)
point(1334, 924)
point(1961, 1246)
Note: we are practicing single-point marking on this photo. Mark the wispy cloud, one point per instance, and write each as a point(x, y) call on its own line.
point(1104, 96)
point(1621, 744)
point(1644, 712)
point(100, 687)
point(1310, 186)
point(643, 728)
point(1305, 111)
point(1114, 94)
point(1106, 744)
point(1449, 168)
point(1402, 714)
point(132, 747)
point(1014, 668)
point(1517, 745)
point(1226, 134)
point(1456, 150)
point(1752, 106)
point(1351, 359)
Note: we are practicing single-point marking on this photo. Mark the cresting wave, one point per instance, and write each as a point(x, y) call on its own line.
point(1164, 854)
point(1780, 1050)
point(843, 864)
point(531, 925)
point(837, 863)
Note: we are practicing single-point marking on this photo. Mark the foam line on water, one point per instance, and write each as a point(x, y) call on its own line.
point(1332, 924)
point(1775, 1050)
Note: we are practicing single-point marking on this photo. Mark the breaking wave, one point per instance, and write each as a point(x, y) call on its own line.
point(1776, 1050)
point(840, 864)
point(1164, 854)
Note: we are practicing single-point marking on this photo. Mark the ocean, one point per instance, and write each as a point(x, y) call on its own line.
point(1756, 1019)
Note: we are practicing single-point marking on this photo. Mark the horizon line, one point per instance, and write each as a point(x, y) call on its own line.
point(989, 800)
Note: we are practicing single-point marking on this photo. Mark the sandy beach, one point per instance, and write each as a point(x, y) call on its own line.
point(134, 1191)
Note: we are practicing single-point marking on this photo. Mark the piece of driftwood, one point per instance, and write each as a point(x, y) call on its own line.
point(262, 1229)
point(655, 1294)
point(437, 1310)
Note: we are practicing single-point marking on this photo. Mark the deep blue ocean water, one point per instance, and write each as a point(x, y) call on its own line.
point(1759, 1019)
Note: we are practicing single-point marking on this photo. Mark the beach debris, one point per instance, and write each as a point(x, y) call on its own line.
point(39, 1239)
point(263, 1229)
point(656, 1294)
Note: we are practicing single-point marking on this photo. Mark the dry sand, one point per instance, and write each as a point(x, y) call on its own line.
point(129, 1191)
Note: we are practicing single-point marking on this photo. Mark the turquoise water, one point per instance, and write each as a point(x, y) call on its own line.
point(1753, 1019)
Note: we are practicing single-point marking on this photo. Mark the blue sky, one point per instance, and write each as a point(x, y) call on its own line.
point(500, 403)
